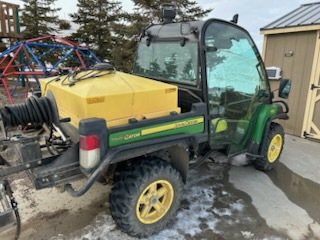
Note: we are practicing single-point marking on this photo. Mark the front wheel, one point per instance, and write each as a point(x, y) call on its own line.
point(272, 149)
point(145, 197)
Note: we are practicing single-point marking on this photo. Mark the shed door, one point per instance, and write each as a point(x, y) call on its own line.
point(312, 113)
point(313, 122)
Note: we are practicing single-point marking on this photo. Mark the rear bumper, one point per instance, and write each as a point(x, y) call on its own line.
point(60, 169)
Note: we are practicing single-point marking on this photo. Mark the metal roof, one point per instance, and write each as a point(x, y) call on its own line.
point(306, 14)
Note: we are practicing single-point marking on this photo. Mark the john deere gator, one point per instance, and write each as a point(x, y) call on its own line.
point(196, 88)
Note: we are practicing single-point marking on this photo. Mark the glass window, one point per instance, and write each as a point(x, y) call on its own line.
point(236, 82)
point(167, 61)
point(234, 72)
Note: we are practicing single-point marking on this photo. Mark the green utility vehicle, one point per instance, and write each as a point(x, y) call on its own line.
point(196, 88)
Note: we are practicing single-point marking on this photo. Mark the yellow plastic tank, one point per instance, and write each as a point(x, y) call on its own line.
point(114, 96)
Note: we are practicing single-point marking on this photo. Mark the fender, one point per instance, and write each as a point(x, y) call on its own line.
point(257, 141)
point(111, 156)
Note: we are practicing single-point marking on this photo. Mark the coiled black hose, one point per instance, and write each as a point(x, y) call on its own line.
point(35, 111)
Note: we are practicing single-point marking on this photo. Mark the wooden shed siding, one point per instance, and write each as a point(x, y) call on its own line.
point(297, 68)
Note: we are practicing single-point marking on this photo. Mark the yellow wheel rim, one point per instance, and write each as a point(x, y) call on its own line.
point(274, 148)
point(154, 202)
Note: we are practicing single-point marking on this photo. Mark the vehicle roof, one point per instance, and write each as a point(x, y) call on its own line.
point(173, 30)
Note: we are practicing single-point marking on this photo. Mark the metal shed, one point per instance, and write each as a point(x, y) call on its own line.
point(292, 43)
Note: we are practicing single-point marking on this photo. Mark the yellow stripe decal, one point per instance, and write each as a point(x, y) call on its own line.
point(172, 126)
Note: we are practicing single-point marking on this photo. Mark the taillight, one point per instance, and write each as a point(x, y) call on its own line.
point(89, 151)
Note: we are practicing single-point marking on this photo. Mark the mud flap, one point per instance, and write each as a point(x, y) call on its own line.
point(9, 214)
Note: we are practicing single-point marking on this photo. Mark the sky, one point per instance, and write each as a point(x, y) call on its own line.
point(253, 14)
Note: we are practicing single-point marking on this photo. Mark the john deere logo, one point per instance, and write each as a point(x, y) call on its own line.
point(187, 123)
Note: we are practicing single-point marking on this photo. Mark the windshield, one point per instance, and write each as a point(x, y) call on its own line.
point(168, 61)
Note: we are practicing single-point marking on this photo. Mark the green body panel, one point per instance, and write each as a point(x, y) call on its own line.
point(184, 126)
point(264, 113)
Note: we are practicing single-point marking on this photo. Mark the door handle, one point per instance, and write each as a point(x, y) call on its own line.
point(314, 87)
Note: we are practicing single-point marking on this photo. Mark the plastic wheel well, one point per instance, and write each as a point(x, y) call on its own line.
point(177, 155)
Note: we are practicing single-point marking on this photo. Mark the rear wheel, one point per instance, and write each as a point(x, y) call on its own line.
point(272, 149)
point(145, 197)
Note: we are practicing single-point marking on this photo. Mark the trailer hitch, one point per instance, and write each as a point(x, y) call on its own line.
point(9, 214)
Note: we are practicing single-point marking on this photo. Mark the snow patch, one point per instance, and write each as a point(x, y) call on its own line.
point(189, 220)
point(222, 212)
point(272, 238)
point(224, 193)
point(103, 228)
point(247, 234)
point(240, 160)
point(237, 206)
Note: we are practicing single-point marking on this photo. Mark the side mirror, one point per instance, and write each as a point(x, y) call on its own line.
point(284, 89)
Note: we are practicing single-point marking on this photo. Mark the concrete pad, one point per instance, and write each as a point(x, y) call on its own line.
point(303, 157)
point(273, 205)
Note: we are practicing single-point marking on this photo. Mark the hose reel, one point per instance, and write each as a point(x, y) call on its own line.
point(35, 111)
